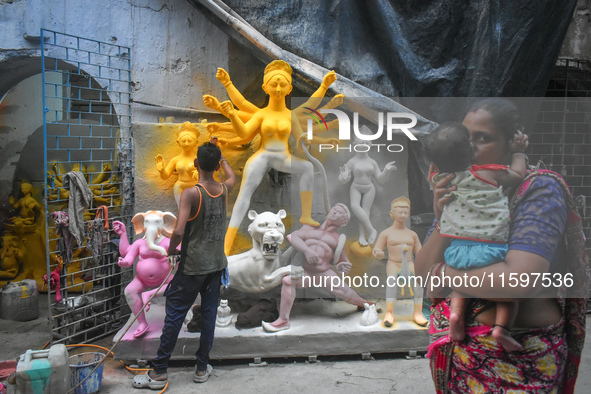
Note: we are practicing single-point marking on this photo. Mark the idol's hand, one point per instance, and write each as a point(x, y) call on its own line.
point(227, 109)
point(344, 267)
point(378, 254)
point(329, 78)
point(223, 76)
point(159, 162)
point(211, 102)
point(390, 166)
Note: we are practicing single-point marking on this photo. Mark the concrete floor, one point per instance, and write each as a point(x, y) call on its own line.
point(383, 373)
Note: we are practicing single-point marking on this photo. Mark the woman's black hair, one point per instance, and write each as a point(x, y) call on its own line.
point(504, 114)
point(449, 147)
point(208, 156)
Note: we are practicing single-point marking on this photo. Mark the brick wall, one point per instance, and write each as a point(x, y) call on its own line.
point(561, 138)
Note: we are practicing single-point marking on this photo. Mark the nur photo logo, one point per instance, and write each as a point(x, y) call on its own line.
point(388, 122)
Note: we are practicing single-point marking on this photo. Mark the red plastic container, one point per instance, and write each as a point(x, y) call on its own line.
point(6, 368)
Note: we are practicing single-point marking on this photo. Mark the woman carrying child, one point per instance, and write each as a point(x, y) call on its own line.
point(477, 219)
point(549, 326)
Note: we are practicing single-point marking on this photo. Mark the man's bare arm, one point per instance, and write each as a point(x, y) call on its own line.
point(230, 177)
point(189, 203)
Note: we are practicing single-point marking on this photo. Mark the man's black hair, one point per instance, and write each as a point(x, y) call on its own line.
point(449, 147)
point(208, 156)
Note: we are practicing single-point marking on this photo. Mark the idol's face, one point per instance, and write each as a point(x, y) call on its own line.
point(400, 213)
point(338, 215)
point(277, 86)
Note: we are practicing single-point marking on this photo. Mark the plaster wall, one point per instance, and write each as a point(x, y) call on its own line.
point(175, 49)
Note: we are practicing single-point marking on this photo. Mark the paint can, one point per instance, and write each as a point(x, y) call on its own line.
point(20, 301)
point(81, 365)
point(43, 371)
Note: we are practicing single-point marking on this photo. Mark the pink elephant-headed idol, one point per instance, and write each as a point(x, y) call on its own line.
point(152, 266)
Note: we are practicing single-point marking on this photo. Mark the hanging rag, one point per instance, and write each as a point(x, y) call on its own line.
point(80, 198)
point(95, 236)
point(62, 228)
point(54, 280)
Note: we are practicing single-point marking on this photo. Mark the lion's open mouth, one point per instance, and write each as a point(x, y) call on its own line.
point(270, 248)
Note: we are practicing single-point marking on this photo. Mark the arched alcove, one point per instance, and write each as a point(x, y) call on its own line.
point(56, 114)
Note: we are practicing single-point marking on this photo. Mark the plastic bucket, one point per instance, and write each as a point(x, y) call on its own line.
point(6, 368)
point(81, 365)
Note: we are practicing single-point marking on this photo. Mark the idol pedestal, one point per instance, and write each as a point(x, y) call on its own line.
point(319, 327)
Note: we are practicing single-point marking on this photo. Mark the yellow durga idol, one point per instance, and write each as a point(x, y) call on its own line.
point(274, 123)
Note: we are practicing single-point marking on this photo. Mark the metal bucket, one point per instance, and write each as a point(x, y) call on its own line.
point(81, 365)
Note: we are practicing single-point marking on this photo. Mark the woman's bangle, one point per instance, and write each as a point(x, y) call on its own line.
point(503, 327)
point(437, 226)
point(227, 84)
point(514, 152)
point(223, 160)
point(443, 272)
point(437, 267)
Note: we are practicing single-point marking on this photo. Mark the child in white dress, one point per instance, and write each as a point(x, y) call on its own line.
point(478, 216)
